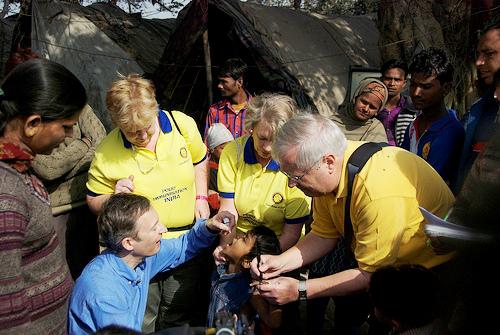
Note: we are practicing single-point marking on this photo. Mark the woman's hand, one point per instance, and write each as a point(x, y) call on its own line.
point(125, 185)
point(201, 209)
point(439, 245)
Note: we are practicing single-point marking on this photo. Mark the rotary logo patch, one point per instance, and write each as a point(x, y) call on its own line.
point(277, 198)
point(425, 150)
point(183, 152)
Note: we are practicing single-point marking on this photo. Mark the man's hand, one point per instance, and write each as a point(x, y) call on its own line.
point(219, 256)
point(223, 222)
point(201, 209)
point(439, 245)
point(270, 266)
point(280, 290)
point(125, 185)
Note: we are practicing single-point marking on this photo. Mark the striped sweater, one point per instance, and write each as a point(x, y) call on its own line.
point(404, 118)
point(34, 278)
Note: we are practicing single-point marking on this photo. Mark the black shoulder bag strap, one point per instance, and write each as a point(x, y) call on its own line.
point(355, 164)
point(175, 122)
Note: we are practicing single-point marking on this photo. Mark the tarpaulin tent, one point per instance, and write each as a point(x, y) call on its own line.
point(96, 43)
point(6, 28)
point(305, 55)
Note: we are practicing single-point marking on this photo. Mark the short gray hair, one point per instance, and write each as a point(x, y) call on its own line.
point(274, 109)
point(312, 135)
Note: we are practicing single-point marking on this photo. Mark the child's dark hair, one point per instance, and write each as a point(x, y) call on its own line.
point(266, 243)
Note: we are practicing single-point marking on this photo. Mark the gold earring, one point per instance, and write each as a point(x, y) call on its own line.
point(30, 132)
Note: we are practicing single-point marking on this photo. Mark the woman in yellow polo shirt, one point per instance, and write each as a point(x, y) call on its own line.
point(161, 156)
point(249, 181)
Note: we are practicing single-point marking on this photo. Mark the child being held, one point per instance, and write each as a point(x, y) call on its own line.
point(231, 292)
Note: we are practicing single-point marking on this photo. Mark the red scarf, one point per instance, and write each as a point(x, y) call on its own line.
point(14, 155)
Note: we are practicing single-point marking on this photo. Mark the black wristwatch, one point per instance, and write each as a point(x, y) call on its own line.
point(302, 290)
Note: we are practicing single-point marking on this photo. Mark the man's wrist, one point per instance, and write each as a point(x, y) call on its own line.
point(210, 228)
point(302, 289)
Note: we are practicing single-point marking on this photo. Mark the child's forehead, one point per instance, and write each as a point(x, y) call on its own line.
point(250, 234)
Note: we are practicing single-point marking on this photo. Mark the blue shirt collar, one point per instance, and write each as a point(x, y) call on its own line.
point(121, 268)
point(250, 158)
point(165, 126)
point(443, 121)
point(222, 269)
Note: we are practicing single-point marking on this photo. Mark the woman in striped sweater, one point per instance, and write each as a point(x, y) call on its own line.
point(40, 102)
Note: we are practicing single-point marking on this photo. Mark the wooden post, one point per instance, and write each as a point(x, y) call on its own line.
point(208, 66)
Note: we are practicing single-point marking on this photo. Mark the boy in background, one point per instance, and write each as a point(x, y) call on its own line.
point(436, 135)
point(217, 138)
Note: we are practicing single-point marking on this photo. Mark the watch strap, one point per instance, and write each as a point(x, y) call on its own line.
point(302, 290)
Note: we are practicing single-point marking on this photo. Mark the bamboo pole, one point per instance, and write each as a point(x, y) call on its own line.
point(208, 66)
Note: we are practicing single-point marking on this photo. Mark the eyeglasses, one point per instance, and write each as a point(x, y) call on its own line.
point(297, 179)
point(149, 131)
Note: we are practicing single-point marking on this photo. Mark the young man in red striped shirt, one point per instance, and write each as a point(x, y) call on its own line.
point(231, 110)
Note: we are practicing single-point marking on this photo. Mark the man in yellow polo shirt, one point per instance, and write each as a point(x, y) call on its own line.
point(388, 227)
point(161, 156)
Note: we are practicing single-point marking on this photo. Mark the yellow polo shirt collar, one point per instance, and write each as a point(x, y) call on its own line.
point(250, 157)
point(165, 126)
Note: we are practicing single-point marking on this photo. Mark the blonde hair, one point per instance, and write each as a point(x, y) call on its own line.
point(274, 109)
point(131, 102)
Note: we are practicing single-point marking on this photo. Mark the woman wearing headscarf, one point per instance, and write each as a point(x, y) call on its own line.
point(356, 118)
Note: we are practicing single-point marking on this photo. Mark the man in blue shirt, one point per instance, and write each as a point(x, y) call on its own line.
point(113, 287)
point(436, 135)
point(482, 119)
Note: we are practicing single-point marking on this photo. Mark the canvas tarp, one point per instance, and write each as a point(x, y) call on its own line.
point(97, 43)
point(305, 55)
point(6, 28)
